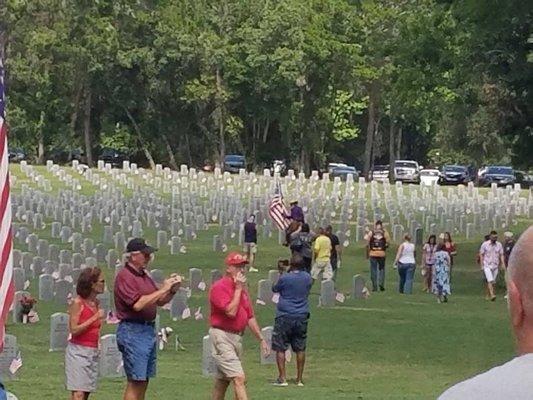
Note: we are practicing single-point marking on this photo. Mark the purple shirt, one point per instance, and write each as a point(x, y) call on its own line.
point(130, 285)
point(297, 214)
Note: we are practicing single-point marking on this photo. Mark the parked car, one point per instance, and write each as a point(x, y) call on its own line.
point(429, 177)
point(343, 172)
point(233, 163)
point(380, 173)
point(64, 156)
point(16, 155)
point(524, 179)
point(113, 156)
point(407, 171)
point(278, 166)
point(456, 174)
point(333, 165)
point(500, 175)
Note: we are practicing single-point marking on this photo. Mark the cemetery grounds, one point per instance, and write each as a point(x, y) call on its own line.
point(389, 346)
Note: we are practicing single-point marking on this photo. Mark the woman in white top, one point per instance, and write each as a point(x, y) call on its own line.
point(405, 260)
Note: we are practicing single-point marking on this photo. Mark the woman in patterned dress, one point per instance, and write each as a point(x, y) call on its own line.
point(441, 277)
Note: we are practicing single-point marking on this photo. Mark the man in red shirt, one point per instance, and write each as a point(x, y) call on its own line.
point(231, 313)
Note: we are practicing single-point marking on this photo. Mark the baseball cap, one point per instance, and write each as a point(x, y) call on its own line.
point(139, 244)
point(293, 201)
point(235, 258)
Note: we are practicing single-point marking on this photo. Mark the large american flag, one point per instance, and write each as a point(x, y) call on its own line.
point(6, 261)
point(277, 210)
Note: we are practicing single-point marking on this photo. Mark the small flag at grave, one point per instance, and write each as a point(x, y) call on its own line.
point(260, 302)
point(186, 313)
point(198, 314)
point(15, 364)
point(26, 284)
point(202, 286)
point(275, 298)
point(340, 297)
point(111, 318)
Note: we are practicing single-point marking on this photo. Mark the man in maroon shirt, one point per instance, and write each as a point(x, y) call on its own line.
point(231, 313)
point(136, 301)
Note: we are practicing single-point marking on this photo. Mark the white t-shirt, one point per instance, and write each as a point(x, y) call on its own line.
point(408, 253)
point(511, 381)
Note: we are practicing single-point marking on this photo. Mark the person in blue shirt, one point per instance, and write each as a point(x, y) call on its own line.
point(3, 395)
point(292, 316)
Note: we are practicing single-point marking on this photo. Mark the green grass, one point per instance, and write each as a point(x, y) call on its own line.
point(389, 346)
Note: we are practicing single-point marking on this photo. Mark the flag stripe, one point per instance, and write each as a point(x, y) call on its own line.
point(7, 289)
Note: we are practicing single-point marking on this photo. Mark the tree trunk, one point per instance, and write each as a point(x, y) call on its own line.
point(399, 144)
point(75, 108)
point(391, 146)
point(220, 113)
point(40, 143)
point(146, 152)
point(87, 127)
point(171, 158)
point(370, 129)
point(188, 144)
point(265, 130)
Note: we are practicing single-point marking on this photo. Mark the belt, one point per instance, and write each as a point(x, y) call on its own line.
point(240, 333)
point(139, 321)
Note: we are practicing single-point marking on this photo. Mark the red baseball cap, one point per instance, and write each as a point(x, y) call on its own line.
point(235, 258)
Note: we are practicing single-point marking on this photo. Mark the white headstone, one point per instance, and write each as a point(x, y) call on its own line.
point(59, 331)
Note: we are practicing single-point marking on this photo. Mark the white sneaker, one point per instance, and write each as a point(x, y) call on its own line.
point(279, 382)
point(300, 384)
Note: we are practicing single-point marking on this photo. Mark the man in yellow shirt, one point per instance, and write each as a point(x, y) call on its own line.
point(322, 250)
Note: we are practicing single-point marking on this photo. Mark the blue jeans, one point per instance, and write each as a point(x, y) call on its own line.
point(377, 272)
point(407, 273)
point(137, 343)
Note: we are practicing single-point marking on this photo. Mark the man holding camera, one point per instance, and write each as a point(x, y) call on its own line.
point(292, 316)
point(136, 300)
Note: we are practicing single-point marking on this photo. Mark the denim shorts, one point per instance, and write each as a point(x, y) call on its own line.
point(138, 345)
point(290, 330)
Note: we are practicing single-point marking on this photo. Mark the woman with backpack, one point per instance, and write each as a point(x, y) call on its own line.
point(300, 243)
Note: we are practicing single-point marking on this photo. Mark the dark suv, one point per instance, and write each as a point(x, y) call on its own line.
point(500, 175)
point(525, 180)
point(455, 174)
point(113, 156)
point(233, 163)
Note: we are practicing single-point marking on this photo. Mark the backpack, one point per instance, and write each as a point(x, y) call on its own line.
point(378, 241)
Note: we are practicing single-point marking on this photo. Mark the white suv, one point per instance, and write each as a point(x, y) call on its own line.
point(406, 171)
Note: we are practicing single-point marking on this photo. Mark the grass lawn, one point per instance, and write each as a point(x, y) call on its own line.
point(389, 346)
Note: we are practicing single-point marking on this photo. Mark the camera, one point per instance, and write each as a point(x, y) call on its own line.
point(283, 266)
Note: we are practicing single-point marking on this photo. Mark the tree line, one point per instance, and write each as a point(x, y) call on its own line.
point(309, 81)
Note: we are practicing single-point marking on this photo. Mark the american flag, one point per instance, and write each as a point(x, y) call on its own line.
point(7, 288)
point(277, 210)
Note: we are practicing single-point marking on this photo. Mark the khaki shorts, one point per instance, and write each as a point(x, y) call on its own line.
point(226, 349)
point(251, 246)
point(320, 266)
point(491, 274)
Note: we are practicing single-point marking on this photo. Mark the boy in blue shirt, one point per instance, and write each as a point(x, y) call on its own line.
point(292, 316)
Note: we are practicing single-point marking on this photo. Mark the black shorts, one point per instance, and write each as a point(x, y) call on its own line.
point(290, 330)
